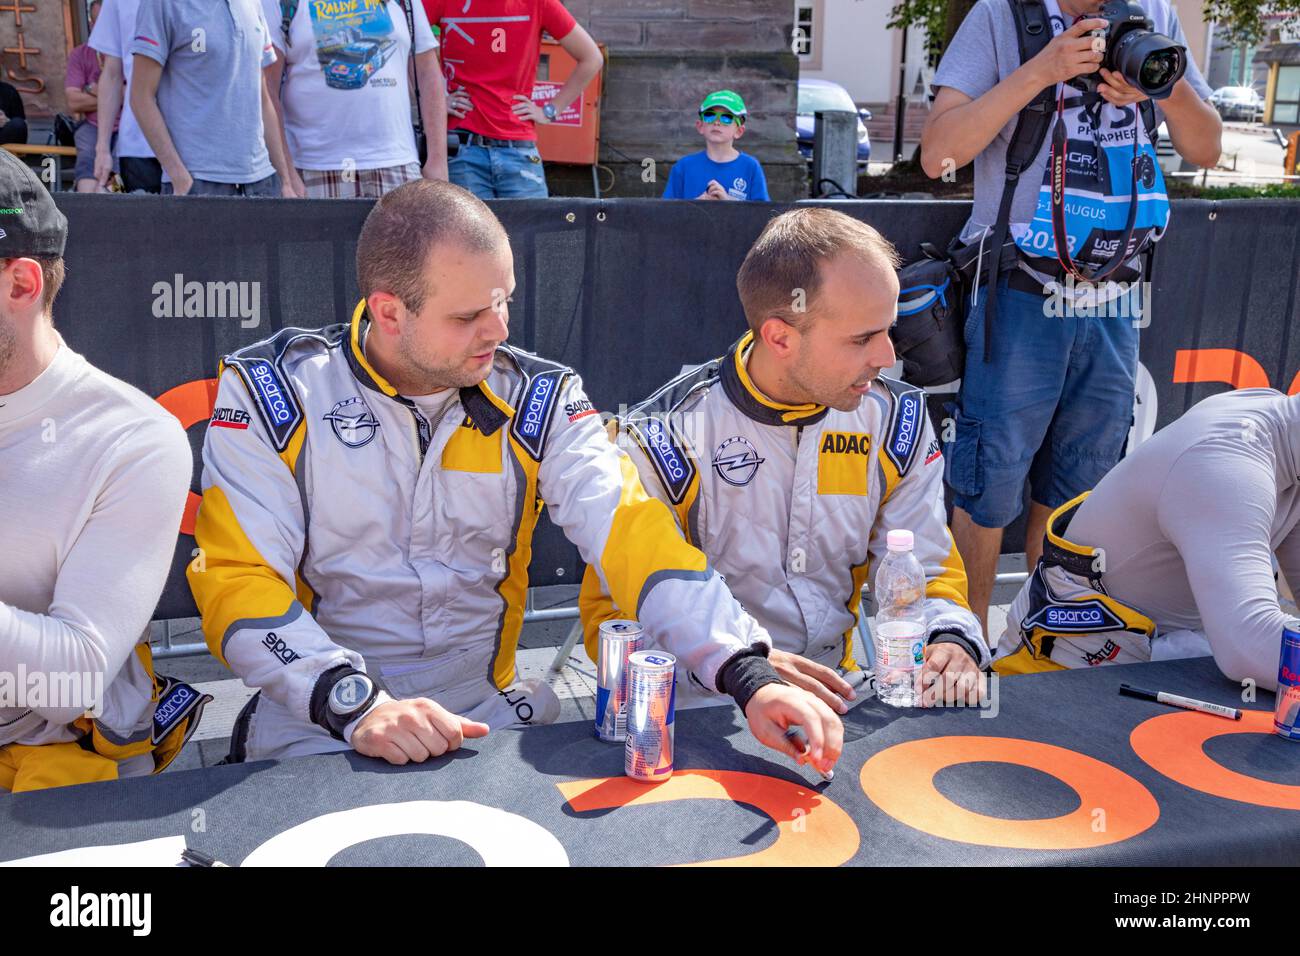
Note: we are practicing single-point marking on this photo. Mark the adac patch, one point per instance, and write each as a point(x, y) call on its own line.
point(1075, 617)
point(536, 409)
point(272, 395)
point(905, 429)
point(177, 702)
point(672, 464)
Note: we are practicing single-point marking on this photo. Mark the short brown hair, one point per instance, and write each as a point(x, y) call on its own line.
point(407, 223)
point(52, 274)
point(787, 257)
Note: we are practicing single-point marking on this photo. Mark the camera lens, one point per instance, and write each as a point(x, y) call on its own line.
point(1158, 69)
point(1151, 62)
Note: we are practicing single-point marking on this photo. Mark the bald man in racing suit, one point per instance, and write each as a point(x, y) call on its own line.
point(788, 460)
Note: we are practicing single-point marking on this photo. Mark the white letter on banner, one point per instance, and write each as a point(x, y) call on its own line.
point(499, 837)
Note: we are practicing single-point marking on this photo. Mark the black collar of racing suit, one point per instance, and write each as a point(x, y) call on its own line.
point(480, 409)
point(753, 403)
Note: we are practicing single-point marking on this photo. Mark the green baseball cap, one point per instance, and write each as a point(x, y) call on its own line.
point(727, 100)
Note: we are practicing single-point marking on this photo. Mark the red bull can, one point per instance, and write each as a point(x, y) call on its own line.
point(1286, 718)
point(617, 640)
point(651, 701)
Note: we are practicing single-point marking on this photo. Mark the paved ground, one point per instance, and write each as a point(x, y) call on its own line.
point(574, 683)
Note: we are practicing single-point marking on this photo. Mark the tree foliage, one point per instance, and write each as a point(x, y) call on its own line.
point(1237, 21)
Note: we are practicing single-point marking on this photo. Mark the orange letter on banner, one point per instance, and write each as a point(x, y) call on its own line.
point(1172, 744)
point(1219, 365)
point(900, 780)
point(190, 402)
point(827, 836)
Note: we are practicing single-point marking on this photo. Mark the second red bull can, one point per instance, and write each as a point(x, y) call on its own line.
point(1286, 716)
point(617, 640)
point(651, 700)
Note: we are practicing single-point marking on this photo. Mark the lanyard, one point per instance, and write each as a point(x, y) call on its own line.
point(1057, 166)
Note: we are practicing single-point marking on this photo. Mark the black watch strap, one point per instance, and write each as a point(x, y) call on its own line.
point(321, 713)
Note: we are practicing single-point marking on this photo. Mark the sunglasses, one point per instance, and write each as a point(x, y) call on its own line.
point(725, 118)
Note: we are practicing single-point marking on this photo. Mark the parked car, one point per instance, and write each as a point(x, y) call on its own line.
point(1238, 102)
point(817, 95)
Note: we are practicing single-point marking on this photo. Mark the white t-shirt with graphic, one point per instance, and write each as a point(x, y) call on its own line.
point(345, 95)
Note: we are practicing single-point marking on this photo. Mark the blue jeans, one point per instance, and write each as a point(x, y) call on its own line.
point(1054, 404)
point(498, 172)
point(263, 188)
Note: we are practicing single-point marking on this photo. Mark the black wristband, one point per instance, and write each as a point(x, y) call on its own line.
point(961, 640)
point(320, 694)
point(745, 673)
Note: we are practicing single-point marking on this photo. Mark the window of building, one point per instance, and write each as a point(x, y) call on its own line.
point(1286, 102)
point(805, 40)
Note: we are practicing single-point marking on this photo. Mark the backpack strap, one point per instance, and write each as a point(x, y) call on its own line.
point(1033, 33)
point(287, 9)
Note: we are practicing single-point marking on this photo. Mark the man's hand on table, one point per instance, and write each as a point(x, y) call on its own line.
point(950, 676)
point(821, 681)
point(775, 707)
point(402, 731)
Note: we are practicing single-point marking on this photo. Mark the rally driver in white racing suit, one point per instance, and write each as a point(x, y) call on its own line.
point(370, 492)
point(789, 459)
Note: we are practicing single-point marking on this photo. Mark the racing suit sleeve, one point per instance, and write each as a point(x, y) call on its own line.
point(1218, 511)
point(636, 548)
point(102, 599)
point(251, 531)
point(914, 501)
point(594, 602)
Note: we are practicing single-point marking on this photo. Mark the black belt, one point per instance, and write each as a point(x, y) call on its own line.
point(476, 139)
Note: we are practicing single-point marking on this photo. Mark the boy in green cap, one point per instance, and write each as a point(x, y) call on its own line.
point(719, 171)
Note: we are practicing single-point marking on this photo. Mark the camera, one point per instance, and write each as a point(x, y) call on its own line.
point(1147, 60)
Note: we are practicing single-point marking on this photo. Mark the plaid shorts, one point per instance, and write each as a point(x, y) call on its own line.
point(357, 183)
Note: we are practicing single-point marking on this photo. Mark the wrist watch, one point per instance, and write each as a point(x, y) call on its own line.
point(549, 112)
point(352, 692)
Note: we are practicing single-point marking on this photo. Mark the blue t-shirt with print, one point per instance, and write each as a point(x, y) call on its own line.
point(742, 178)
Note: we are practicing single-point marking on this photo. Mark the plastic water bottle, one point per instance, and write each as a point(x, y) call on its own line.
point(899, 631)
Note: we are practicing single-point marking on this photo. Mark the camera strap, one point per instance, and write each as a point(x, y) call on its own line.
point(1057, 165)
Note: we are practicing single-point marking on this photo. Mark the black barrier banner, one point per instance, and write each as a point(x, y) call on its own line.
point(1055, 769)
point(627, 291)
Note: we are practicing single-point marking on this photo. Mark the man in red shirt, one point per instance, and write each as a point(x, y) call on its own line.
point(490, 50)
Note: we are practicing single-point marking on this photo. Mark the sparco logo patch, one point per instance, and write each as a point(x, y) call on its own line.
point(905, 431)
point(279, 649)
point(352, 422)
point(674, 467)
point(229, 418)
point(1082, 617)
point(271, 392)
point(176, 702)
point(534, 415)
point(736, 461)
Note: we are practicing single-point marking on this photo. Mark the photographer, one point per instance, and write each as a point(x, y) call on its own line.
point(1048, 386)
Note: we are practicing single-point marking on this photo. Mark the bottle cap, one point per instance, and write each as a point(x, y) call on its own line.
point(899, 540)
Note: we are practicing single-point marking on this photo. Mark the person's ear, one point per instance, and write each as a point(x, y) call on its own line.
point(699, 126)
point(779, 336)
point(386, 311)
point(25, 281)
point(740, 130)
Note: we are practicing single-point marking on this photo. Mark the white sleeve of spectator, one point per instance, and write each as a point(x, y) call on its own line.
point(271, 14)
point(268, 51)
point(106, 37)
point(153, 32)
point(1193, 75)
point(424, 40)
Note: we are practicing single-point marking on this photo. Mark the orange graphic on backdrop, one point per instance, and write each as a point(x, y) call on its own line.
point(191, 403)
point(812, 829)
point(900, 780)
point(1173, 744)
